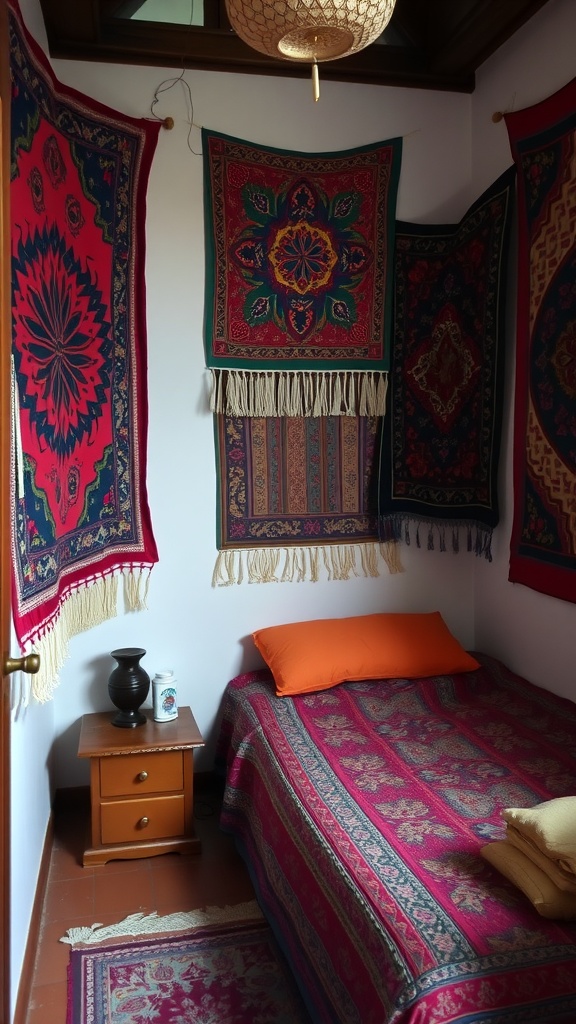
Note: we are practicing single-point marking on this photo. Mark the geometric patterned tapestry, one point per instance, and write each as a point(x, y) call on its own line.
point(441, 436)
point(299, 264)
point(297, 498)
point(79, 506)
point(543, 544)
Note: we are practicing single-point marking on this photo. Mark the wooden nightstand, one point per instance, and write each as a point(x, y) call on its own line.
point(141, 786)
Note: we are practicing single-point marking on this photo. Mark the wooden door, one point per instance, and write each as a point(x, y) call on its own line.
point(31, 662)
point(5, 331)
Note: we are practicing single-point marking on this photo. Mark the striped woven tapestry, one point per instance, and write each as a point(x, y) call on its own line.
point(297, 499)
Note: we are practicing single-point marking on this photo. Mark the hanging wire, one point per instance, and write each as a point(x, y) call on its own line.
point(169, 83)
point(164, 86)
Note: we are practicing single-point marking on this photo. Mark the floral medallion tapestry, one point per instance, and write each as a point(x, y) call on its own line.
point(299, 263)
point(441, 437)
point(543, 543)
point(80, 515)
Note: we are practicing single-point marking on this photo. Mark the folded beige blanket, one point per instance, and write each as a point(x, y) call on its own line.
point(545, 897)
point(551, 827)
point(564, 880)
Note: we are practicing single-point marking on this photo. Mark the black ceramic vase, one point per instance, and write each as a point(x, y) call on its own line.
point(128, 687)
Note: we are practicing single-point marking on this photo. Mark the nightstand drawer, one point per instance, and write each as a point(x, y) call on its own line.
point(141, 786)
point(141, 773)
point(127, 821)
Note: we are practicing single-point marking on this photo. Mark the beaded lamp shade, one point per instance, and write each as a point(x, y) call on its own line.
point(309, 30)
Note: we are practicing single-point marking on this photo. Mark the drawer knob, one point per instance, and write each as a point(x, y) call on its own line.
point(142, 776)
point(143, 822)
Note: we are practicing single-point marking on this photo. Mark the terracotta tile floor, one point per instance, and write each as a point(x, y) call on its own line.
point(82, 896)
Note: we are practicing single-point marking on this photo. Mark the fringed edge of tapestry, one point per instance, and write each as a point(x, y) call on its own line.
point(157, 924)
point(300, 564)
point(298, 393)
point(441, 535)
point(81, 608)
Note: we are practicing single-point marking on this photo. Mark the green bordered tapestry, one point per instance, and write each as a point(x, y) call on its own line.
point(299, 262)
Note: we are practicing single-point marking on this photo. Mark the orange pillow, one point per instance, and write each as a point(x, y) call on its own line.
point(315, 655)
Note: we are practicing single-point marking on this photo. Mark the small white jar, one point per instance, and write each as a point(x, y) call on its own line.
point(164, 696)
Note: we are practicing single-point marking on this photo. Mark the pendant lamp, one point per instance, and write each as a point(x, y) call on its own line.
point(309, 31)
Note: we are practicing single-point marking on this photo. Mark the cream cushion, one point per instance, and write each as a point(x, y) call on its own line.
point(547, 898)
point(565, 880)
point(551, 826)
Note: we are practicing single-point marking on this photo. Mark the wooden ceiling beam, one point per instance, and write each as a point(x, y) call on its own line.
point(436, 46)
point(488, 24)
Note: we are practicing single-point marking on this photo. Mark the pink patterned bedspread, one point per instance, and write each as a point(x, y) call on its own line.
point(361, 812)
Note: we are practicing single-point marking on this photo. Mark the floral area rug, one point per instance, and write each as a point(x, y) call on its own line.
point(231, 972)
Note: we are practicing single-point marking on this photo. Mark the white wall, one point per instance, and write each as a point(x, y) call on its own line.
point(203, 633)
point(531, 632)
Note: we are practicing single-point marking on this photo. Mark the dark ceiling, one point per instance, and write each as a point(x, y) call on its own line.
point(429, 44)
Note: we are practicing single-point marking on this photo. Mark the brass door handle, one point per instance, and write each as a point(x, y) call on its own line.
point(143, 822)
point(30, 664)
point(142, 776)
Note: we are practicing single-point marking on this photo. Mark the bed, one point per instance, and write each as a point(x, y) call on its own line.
point(361, 810)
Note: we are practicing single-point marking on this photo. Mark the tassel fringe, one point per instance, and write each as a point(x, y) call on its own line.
point(298, 393)
point(153, 924)
point(82, 608)
point(296, 565)
point(441, 535)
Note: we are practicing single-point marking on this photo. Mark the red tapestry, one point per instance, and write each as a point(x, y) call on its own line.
point(79, 172)
point(543, 544)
